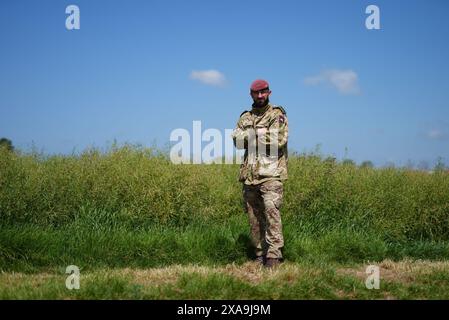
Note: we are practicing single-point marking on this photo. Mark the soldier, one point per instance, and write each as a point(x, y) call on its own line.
point(263, 133)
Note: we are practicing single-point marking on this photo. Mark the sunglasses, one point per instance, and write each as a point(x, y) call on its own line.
point(261, 91)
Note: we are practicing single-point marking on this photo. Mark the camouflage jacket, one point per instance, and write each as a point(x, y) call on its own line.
point(263, 134)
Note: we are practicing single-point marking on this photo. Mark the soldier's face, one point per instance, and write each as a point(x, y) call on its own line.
point(260, 97)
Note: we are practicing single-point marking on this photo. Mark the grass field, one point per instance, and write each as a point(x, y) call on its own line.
point(399, 280)
point(139, 227)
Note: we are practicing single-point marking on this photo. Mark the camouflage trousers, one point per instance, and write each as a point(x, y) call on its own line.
point(262, 203)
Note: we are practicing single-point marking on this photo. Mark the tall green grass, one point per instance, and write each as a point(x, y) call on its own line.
point(131, 206)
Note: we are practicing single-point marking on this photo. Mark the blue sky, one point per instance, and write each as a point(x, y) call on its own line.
point(136, 70)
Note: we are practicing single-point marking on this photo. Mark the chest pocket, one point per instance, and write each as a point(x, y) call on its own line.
point(268, 166)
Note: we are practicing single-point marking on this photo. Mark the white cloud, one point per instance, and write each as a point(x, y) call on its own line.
point(345, 81)
point(209, 77)
point(436, 134)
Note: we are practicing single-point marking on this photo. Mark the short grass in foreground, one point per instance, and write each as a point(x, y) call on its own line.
point(406, 279)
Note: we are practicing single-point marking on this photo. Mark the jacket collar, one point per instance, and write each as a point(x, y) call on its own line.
point(260, 110)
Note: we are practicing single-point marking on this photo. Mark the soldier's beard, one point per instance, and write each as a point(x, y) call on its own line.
point(261, 104)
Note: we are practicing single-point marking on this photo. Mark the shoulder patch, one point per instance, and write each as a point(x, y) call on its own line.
point(280, 108)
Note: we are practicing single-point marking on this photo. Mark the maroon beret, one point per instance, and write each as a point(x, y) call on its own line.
point(259, 84)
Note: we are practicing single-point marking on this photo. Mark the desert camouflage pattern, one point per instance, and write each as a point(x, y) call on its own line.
point(262, 203)
point(263, 134)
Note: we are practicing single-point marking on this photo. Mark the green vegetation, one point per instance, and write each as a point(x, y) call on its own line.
point(129, 207)
point(404, 280)
point(6, 143)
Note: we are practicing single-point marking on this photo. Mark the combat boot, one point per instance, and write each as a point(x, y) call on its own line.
point(260, 260)
point(272, 263)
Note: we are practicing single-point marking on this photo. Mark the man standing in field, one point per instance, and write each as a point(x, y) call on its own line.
point(263, 133)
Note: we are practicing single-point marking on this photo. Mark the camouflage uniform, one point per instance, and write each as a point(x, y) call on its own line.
point(263, 134)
